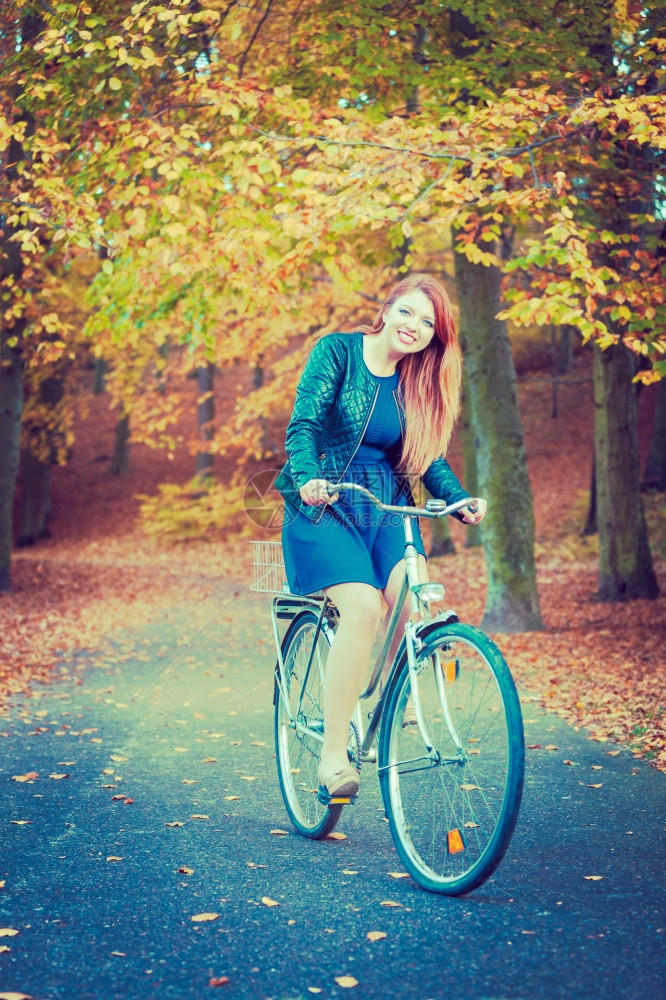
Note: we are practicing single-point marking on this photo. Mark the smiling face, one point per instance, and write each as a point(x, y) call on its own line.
point(409, 323)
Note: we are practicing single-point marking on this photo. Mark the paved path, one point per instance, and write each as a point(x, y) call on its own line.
point(92, 883)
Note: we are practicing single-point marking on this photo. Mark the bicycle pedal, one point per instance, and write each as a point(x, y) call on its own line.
point(334, 800)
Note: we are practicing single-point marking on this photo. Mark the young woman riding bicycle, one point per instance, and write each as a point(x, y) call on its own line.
point(374, 407)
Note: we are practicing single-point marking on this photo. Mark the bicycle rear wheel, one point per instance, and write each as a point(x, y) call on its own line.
point(452, 810)
point(297, 746)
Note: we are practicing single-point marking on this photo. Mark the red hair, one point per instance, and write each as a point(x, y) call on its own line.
point(430, 380)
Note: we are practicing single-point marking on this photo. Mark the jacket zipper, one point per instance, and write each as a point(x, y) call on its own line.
point(400, 413)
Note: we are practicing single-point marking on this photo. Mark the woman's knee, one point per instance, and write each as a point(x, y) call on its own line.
point(359, 605)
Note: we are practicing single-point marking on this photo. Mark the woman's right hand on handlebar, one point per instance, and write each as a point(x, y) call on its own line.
point(315, 493)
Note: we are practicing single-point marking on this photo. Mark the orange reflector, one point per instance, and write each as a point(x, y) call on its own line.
point(450, 668)
point(456, 843)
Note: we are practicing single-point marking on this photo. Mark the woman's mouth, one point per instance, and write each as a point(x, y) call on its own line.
point(405, 337)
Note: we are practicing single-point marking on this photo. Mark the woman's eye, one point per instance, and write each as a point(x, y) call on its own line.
point(405, 312)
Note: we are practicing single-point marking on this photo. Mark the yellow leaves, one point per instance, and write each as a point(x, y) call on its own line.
point(30, 776)
point(172, 203)
point(375, 935)
point(267, 901)
point(114, 83)
point(336, 836)
point(593, 878)
point(347, 982)
point(184, 870)
point(8, 932)
point(113, 857)
point(389, 903)
point(279, 833)
point(175, 823)
point(14, 995)
point(399, 875)
point(200, 918)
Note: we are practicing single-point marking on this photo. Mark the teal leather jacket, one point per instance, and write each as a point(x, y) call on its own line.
point(334, 401)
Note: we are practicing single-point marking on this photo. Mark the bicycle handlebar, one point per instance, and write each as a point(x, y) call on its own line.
point(405, 511)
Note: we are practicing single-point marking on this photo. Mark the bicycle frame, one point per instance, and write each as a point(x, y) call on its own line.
point(288, 606)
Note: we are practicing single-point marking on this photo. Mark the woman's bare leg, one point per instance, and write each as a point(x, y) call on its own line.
point(347, 666)
point(391, 593)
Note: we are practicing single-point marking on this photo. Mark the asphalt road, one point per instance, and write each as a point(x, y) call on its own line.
point(176, 718)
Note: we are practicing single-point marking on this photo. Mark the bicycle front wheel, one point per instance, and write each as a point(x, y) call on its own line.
point(299, 726)
point(452, 803)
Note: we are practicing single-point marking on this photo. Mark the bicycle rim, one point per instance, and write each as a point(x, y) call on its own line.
point(452, 811)
point(296, 745)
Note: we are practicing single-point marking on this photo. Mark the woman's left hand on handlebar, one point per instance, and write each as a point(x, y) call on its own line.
point(474, 516)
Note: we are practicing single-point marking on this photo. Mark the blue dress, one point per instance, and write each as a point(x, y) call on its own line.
point(353, 542)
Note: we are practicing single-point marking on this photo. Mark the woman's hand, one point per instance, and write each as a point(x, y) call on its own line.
point(315, 493)
point(474, 516)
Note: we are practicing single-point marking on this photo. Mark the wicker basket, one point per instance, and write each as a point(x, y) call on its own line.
point(268, 568)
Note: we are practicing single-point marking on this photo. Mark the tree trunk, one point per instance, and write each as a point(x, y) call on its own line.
point(654, 476)
point(35, 498)
point(590, 526)
point(441, 543)
point(625, 564)
point(469, 445)
point(512, 603)
point(11, 404)
point(203, 465)
point(121, 451)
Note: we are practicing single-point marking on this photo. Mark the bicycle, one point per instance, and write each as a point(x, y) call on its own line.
point(446, 731)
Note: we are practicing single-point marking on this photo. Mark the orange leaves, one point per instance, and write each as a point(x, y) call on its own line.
point(30, 776)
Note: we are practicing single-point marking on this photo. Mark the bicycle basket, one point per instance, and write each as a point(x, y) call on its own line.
point(268, 568)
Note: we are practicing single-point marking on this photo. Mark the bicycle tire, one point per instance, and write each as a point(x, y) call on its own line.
point(452, 813)
point(296, 753)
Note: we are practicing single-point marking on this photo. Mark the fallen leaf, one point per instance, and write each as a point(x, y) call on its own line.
point(231, 798)
point(314, 989)
point(181, 749)
point(188, 781)
point(291, 923)
point(267, 901)
point(593, 878)
point(2, 883)
point(471, 825)
point(249, 777)
point(596, 767)
point(4, 948)
point(375, 935)
point(567, 762)
point(30, 776)
point(218, 981)
point(534, 746)
point(116, 798)
point(209, 760)
point(8, 932)
point(349, 871)
point(612, 753)
point(199, 816)
point(21, 822)
point(13, 995)
point(258, 743)
point(400, 874)
point(235, 743)
point(113, 857)
point(57, 777)
point(279, 833)
point(201, 917)
point(128, 802)
point(594, 786)
point(470, 788)
point(336, 836)
point(175, 823)
point(117, 758)
point(389, 902)
point(346, 981)
point(551, 746)
point(184, 870)
point(119, 954)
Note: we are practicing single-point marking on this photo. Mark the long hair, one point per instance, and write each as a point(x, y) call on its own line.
point(430, 380)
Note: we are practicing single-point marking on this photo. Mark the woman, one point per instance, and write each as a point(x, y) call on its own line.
point(374, 407)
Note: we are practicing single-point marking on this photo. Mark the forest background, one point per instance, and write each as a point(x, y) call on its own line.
point(191, 192)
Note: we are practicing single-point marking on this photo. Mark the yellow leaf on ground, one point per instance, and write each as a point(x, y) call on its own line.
point(470, 788)
point(13, 995)
point(551, 746)
point(389, 902)
point(375, 935)
point(337, 836)
point(399, 874)
point(594, 786)
point(471, 825)
point(57, 777)
point(184, 870)
point(593, 878)
point(209, 760)
point(30, 776)
point(21, 822)
point(117, 758)
point(349, 871)
point(188, 781)
point(113, 857)
point(231, 798)
point(4, 948)
point(248, 777)
point(346, 981)
point(279, 833)
point(267, 901)
point(314, 989)
point(199, 816)
point(201, 917)
point(7, 932)
point(175, 823)
point(258, 743)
